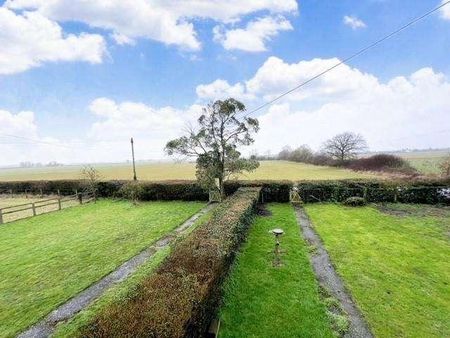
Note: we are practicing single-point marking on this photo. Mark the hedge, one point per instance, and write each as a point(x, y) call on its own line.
point(412, 191)
point(183, 295)
point(424, 191)
point(272, 191)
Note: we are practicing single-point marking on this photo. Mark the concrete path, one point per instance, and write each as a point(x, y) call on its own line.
point(328, 278)
point(46, 326)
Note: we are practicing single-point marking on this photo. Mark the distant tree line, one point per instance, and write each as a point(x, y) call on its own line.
point(343, 150)
point(40, 165)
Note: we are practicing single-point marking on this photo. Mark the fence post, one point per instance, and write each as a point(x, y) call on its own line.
point(33, 207)
point(80, 198)
point(1, 216)
point(59, 203)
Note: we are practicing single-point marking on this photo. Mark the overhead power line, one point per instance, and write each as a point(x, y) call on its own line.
point(358, 53)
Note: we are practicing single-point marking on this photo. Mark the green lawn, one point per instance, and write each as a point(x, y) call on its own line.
point(269, 170)
point(263, 301)
point(47, 259)
point(395, 263)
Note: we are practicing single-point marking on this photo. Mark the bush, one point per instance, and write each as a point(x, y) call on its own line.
point(355, 201)
point(382, 162)
point(182, 296)
point(132, 191)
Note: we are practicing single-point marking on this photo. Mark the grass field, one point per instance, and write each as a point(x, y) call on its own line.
point(427, 162)
point(263, 301)
point(269, 170)
point(395, 262)
point(49, 258)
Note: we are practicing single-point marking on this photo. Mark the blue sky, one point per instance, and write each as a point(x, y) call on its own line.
point(157, 74)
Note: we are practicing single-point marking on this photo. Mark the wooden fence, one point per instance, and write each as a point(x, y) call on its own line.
point(37, 206)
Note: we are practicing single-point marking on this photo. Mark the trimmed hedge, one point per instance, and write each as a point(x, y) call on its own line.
point(425, 191)
point(411, 191)
point(182, 297)
point(272, 191)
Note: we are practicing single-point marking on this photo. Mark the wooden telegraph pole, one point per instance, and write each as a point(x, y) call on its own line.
point(134, 165)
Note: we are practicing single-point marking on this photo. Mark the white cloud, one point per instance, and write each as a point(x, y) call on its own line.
point(406, 111)
point(169, 22)
point(354, 22)
point(445, 11)
point(221, 89)
point(254, 36)
point(30, 39)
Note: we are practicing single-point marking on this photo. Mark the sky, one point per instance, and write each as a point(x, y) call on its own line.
point(79, 78)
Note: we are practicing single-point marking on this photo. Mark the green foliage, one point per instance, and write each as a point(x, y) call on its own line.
point(132, 191)
point(355, 201)
point(263, 301)
point(215, 144)
point(48, 259)
point(395, 267)
point(182, 296)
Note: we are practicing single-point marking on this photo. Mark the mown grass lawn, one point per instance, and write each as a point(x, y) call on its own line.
point(263, 301)
point(119, 293)
point(47, 259)
point(395, 263)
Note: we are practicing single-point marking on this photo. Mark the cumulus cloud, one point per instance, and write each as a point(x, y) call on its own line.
point(354, 22)
point(406, 111)
point(221, 89)
point(254, 36)
point(169, 22)
point(28, 40)
point(445, 11)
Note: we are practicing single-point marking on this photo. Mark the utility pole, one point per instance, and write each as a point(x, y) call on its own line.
point(134, 165)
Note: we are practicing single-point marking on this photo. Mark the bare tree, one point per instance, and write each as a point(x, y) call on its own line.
point(345, 146)
point(91, 178)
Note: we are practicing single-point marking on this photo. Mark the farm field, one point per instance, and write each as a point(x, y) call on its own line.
point(394, 261)
point(427, 162)
point(263, 301)
point(268, 170)
point(48, 259)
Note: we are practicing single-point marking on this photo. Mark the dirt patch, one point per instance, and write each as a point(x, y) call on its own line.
point(263, 211)
point(330, 281)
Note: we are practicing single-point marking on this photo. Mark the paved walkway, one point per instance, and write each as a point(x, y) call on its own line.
point(46, 326)
point(328, 278)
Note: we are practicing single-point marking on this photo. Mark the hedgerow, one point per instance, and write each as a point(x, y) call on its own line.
point(181, 298)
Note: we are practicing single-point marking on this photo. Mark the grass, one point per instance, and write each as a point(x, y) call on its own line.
point(269, 170)
point(395, 261)
point(263, 301)
point(426, 162)
point(12, 201)
point(118, 293)
point(49, 258)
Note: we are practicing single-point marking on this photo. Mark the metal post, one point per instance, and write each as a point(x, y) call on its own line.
point(134, 165)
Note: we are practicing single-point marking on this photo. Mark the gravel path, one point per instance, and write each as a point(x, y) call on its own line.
point(328, 278)
point(46, 326)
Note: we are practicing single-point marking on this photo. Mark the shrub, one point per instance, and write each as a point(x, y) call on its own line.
point(355, 201)
point(382, 162)
point(132, 191)
point(182, 297)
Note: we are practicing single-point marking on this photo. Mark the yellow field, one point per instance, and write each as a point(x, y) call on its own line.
point(269, 170)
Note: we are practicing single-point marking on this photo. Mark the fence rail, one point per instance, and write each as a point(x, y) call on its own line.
point(35, 206)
